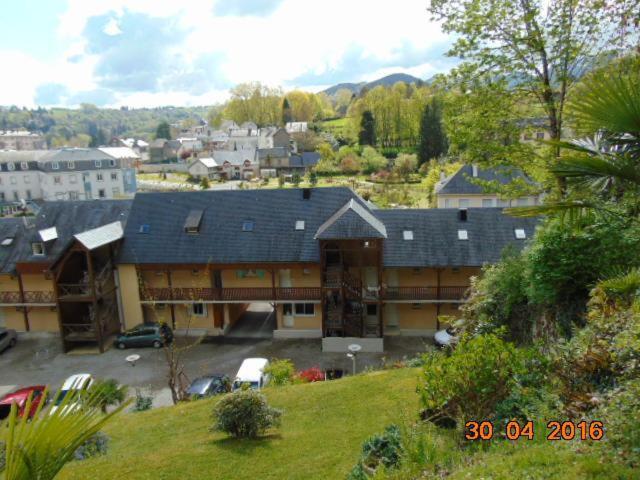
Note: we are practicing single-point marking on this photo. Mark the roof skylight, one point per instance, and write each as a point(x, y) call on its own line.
point(144, 228)
point(520, 233)
point(247, 226)
point(299, 224)
point(463, 235)
point(407, 234)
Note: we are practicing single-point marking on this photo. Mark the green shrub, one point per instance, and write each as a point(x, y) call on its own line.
point(620, 414)
point(143, 402)
point(94, 446)
point(245, 414)
point(281, 372)
point(204, 183)
point(380, 450)
point(469, 382)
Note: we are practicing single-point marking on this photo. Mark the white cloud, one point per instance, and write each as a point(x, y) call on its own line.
point(297, 44)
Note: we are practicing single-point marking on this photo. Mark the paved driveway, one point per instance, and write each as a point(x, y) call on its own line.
point(41, 361)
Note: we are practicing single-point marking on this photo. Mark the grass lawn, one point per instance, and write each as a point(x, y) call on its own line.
point(323, 427)
point(171, 177)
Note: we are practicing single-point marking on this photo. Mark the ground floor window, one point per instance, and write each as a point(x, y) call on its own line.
point(199, 310)
point(305, 309)
point(300, 309)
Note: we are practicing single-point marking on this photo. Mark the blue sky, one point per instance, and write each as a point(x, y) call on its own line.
point(190, 52)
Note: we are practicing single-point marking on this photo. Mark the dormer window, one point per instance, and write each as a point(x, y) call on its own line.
point(71, 165)
point(55, 166)
point(299, 224)
point(37, 248)
point(24, 166)
point(520, 233)
point(11, 166)
point(463, 235)
point(247, 225)
point(98, 163)
point(407, 234)
point(192, 223)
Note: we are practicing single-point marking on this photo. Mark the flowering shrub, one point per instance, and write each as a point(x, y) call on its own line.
point(313, 374)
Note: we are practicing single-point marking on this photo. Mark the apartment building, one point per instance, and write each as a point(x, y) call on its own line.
point(461, 190)
point(21, 140)
point(67, 174)
point(331, 267)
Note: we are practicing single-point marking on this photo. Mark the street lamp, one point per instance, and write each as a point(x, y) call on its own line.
point(354, 348)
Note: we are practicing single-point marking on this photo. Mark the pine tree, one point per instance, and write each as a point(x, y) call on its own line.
point(163, 131)
point(367, 134)
point(433, 140)
point(286, 111)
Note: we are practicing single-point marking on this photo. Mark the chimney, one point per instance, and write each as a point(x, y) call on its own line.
point(462, 214)
point(306, 193)
point(442, 176)
point(474, 169)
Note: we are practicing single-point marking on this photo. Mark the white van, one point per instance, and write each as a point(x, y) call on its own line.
point(252, 372)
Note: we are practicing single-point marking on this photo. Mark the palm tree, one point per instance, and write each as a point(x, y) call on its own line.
point(605, 168)
point(37, 448)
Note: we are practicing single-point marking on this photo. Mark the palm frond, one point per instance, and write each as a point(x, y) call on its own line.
point(609, 101)
point(38, 448)
point(601, 169)
point(573, 212)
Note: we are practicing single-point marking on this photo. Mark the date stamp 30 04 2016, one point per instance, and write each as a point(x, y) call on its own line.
point(514, 430)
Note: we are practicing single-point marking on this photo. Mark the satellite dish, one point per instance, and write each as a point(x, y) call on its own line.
point(354, 348)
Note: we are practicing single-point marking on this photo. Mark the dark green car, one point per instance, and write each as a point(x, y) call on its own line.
point(146, 335)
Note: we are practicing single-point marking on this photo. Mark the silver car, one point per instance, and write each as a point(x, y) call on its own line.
point(8, 338)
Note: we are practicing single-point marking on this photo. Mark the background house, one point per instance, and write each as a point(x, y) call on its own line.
point(460, 191)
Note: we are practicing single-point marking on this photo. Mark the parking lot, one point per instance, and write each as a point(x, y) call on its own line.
point(40, 360)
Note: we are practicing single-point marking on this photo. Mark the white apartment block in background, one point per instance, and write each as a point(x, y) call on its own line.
point(460, 191)
point(67, 174)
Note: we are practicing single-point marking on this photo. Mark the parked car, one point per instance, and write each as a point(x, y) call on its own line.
point(8, 338)
point(252, 373)
point(20, 397)
point(145, 335)
point(209, 385)
point(446, 338)
point(80, 382)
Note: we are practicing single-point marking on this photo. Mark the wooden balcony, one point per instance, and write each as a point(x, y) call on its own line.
point(230, 295)
point(30, 298)
point(428, 294)
point(73, 291)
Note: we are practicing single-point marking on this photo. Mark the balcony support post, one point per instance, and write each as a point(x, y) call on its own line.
point(172, 307)
point(25, 312)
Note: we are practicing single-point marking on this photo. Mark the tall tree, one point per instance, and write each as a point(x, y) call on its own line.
point(433, 140)
point(286, 111)
point(367, 134)
point(163, 130)
point(541, 46)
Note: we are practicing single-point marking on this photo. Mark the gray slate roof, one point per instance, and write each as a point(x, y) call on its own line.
point(350, 222)
point(221, 239)
point(435, 236)
point(304, 159)
point(459, 184)
point(276, 152)
point(274, 238)
point(69, 218)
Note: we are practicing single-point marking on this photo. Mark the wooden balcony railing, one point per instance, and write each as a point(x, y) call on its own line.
point(73, 289)
point(229, 294)
point(424, 293)
point(30, 297)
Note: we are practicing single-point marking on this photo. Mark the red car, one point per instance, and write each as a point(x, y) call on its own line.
point(20, 397)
